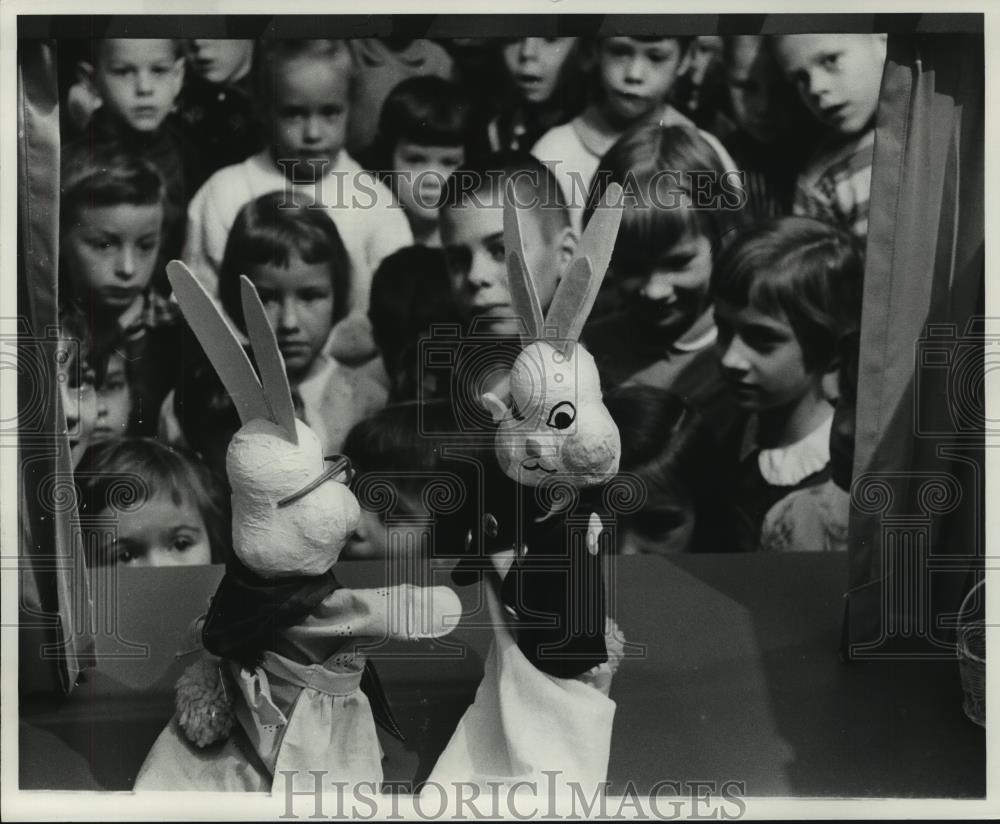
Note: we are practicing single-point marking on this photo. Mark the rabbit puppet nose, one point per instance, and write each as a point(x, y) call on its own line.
point(303, 538)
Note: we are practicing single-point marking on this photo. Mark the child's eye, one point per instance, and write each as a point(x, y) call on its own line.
point(830, 61)
point(98, 243)
point(562, 415)
point(267, 296)
point(331, 111)
point(496, 251)
point(314, 295)
point(656, 57)
point(182, 543)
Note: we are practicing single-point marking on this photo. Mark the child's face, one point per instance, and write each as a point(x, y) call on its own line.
point(838, 76)
point(534, 63)
point(762, 359)
point(221, 61)
point(636, 76)
point(309, 112)
point(139, 80)
point(111, 251)
point(422, 172)
point(753, 78)
point(373, 538)
point(298, 300)
point(472, 234)
point(160, 532)
point(671, 293)
point(79, 399)
point(114, 400)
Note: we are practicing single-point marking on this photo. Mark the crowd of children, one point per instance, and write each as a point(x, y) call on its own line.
point(359, 184)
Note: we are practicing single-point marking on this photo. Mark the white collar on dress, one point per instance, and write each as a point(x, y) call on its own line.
point(788, 465)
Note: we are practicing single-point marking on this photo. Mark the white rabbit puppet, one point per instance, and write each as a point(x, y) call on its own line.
point(543, 710)
point(290, 689)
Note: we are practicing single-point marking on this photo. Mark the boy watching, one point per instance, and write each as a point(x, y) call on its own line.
point(634, 77)
point(305, 89)
point(472, 232)
point(220, 116)
point(838, 77)
point(137, 83)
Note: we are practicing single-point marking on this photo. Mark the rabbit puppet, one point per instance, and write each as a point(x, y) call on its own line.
point(557, 443)
point(290, 688)
point(542, 712)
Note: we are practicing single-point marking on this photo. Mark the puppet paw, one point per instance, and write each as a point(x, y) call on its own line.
point(203, 708)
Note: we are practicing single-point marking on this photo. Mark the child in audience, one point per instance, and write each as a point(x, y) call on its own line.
point(294, 256)
point(770, 131)
point(221, 124)
point(410, 294)
point(817, 519)
point(114, 400)
point(545, 88)
point(421, 141)
point(164, 507)
point(111, 229)
point(79, 369)
point(137, 83)
point(680, 208)
point(634, 77)
point(382, 63)
point(305, 87)
point(839, 77)
point(666, 451)
point(472, 231)
point(393, 448)
point(784, 293)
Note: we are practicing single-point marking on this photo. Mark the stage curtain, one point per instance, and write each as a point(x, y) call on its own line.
point(916, 528)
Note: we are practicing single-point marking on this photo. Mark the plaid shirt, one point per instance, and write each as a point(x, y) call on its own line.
point(836, 185)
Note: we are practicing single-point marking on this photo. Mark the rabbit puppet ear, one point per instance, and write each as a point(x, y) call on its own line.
point(277, 392)
point(220, 344)
point(523, 296)
point(577, 291)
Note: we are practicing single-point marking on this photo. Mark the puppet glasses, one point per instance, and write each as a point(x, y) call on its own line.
point(340, 463)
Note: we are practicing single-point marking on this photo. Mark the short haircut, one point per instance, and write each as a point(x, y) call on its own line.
point(164, 469)
point(393, 447)
point(428, 111)
point(683, 40)
point(410, 292)
point(270, 231)
point(535, 186)
point(807, 270)
point(272, 53)
point(102, 176)
point(665, 172)
point(97, 48)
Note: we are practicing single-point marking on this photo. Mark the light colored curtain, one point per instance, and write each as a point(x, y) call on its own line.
point(916, 529)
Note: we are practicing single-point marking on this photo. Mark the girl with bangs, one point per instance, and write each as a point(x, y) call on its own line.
point(295, 258)
point(657, 327)
point(786, 296)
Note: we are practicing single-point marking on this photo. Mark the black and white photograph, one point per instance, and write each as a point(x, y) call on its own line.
point(565, 411)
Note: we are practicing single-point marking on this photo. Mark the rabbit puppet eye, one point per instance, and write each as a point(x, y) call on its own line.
point(562, 415)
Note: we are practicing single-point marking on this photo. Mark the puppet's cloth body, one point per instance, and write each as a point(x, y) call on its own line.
point(302, 707)
point(527, 726)
point(522, 722)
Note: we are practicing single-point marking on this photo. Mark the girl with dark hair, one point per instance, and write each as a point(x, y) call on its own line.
point(421, 140)
point(681, 206)
point(295, 258)
point(786, 296)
